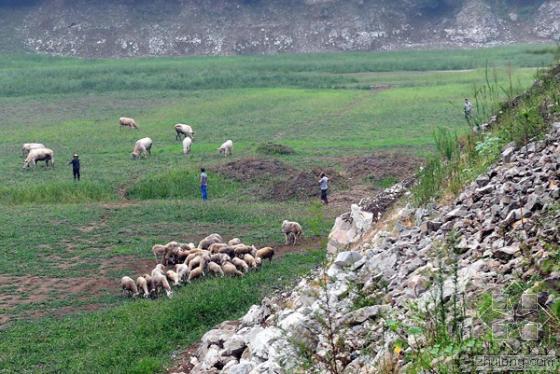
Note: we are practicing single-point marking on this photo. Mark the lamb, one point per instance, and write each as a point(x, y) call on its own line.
point(220, 258)
point(210, 239)
point(129, 287)
point(241, 249)
point(216, 247)
point(183, 130)
point(196, 273)
point(150, 282)
point(258, 262)
point(231, 270)
point(160, 281)
point(39, 154)
point(214, 268)
point(199, 261)
point(127, 122)
point(240, 264)
point(141, 148)
point(159, 269)
point(250, 260)
point(142, 284)
point(234, 241)
point(172, 276)
point(226, 149)
point(292, 231)
point(182, 271)
point(187, 142)
point(29, 146)
point(159, 250)
point(266, 252)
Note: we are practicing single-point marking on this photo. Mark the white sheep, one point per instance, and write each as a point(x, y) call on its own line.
point(210, 239)
point(182, 271)
point(159, 250)
point(142, 285)
point(173, 276)
point(187, 142)
point(227, 148)
point(292, 231)
point(183, 130)
point(127, 122)
point(250, 260)
point(214, 268)
point(29, 146)
point(264, 253)
point(39, 154)
point(129, 286)
point(160, 281)
point(196, 273)
point(231, 270)
point(234, 241)
point(159, 269)
point(240, 264)
point(141, 148)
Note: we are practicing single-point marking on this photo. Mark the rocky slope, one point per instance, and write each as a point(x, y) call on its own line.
point(223, 27)
point(383, 291)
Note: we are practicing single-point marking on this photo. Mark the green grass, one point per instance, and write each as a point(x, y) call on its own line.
point(138, 335)
point(326, 107)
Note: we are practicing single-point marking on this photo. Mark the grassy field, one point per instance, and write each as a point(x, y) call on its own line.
point(66, 244)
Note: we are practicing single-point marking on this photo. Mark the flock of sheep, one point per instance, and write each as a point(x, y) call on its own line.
point(34, 152)
point(212, 256)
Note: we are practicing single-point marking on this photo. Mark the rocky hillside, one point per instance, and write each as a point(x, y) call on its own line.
point(422, 288)
point(224, 27)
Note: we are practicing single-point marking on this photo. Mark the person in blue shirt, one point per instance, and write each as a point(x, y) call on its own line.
point(75, 162)
point(204, 184)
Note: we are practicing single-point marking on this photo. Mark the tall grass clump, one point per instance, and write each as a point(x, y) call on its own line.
point(519, 119)
point(57, 192)
point(179, 184)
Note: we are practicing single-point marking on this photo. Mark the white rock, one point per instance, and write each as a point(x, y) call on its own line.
point(347, 258)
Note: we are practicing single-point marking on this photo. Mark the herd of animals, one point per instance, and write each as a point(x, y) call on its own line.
point(212, 256)
point(34, 152)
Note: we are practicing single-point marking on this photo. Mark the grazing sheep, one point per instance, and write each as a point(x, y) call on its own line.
point(234, 241)
point(210, 239)
point(228, 250)
point(160, 282)
point(200, 260)
point(150, 283)
point(230, 270)
point(182, 271)
point(187, 142)
point(220, 258)
point(159, 269)
point(292, 231)
point(128, 123)
point(142, 285)
point(196, 273)
point(214, 268)
point(266, 252)
point(172, 276)
point(258, 262)
point(216, 247)
point(226, 149)
point(159, 250)
point(172, 251)
point(141, 148)
point(183, 130)
point(250, 260)
point(129, 287)
point(29, 146)
point(39, 154)
point(240, 264)
point(241, 249)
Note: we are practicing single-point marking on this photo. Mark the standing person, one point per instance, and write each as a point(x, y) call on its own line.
point(204, 184)
point(467, 107)
point(324, 184)
point(75, 166)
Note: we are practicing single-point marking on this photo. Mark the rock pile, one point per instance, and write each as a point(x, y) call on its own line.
point(339, 315)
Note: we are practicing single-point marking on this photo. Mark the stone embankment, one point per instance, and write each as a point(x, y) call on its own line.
point(340, 314)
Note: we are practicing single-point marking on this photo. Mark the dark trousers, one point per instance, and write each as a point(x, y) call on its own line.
point(76, 173)
point(204, 192)
point(324, 196)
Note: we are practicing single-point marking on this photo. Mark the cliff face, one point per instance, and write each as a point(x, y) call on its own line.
point(225, 27)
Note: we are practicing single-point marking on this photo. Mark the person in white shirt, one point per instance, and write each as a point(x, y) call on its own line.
point(468, 109)
point(324, 184)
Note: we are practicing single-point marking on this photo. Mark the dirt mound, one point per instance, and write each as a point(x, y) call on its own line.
point(305, 184)
point(383, 165)
point(275, 149)
point(249, 169)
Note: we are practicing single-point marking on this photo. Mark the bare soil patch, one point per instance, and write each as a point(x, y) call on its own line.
point(251, 169)
point(382, 165)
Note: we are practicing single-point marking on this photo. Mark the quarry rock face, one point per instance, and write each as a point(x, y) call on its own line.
point(232, 27)
point(496, 227)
